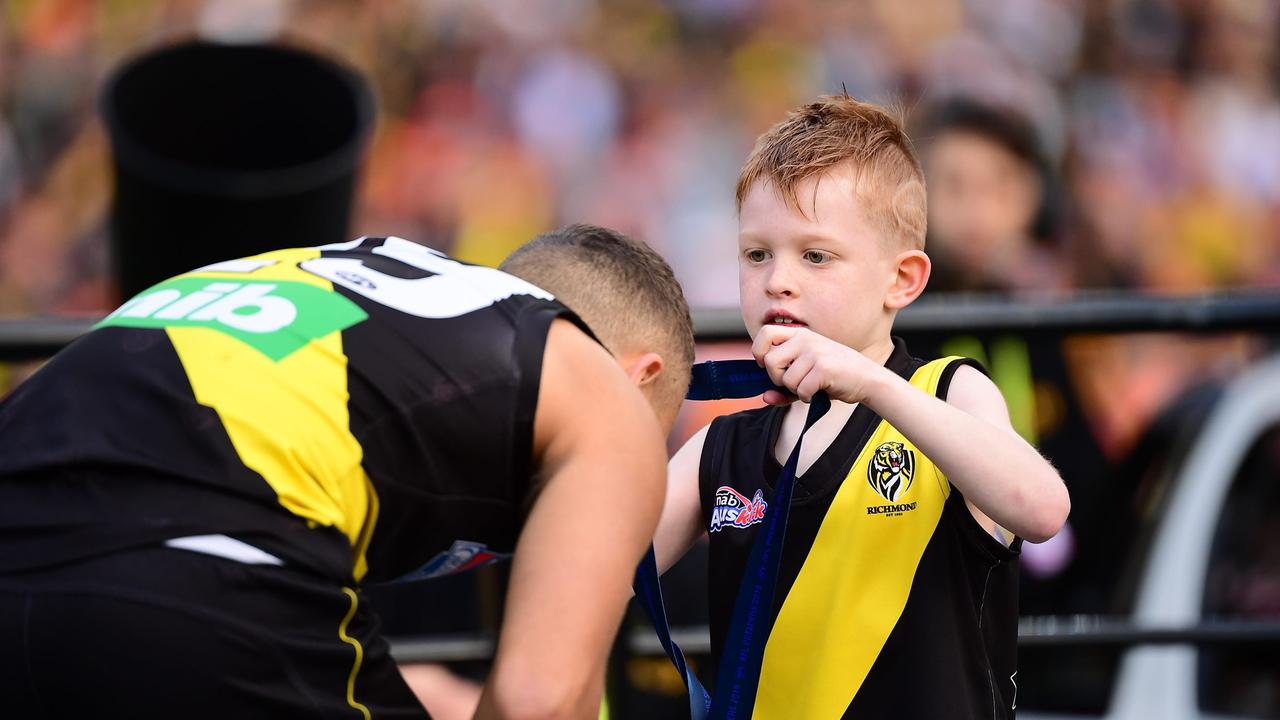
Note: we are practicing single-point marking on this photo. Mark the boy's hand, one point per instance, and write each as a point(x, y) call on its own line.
point(805, 363)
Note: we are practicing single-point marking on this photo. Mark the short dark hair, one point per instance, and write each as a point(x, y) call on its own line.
point(1005, 128)
point(620, 287)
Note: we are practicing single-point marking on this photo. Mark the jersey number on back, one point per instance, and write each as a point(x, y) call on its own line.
point(451, 288)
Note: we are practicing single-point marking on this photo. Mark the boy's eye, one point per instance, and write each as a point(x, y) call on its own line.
point(757, 255)
point(816, 257)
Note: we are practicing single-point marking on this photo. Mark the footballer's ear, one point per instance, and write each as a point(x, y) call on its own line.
point(910, 277)
point(642, 368)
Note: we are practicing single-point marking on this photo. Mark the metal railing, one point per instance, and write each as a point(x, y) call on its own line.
point(937, 315)
point(1087, 312)
point(1091, 313)
point(1047, 631)
point(39, 337)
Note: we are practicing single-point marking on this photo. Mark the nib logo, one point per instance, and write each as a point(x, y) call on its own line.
point(275, 318)
point(248, 307)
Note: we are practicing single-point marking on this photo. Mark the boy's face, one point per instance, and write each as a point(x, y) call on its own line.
point(830, 271)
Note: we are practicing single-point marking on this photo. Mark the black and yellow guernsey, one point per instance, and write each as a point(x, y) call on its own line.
point(360, 409)
point(891, 601)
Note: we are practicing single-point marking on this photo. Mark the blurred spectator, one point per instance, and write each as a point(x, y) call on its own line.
point(993, 229)
point(1084, 401)
point(990, 201)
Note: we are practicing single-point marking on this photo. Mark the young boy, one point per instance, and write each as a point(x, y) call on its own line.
point(897, 590)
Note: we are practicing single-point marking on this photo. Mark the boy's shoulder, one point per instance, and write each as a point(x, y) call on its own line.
point(761, 424)
point(942, 363)
point(753, 421)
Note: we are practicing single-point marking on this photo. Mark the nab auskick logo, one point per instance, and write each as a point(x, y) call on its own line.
point(890, 472)
point(733, 509)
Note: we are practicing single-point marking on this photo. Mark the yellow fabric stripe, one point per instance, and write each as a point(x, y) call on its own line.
point(355, 669)
point(366, 533)
point(291, 424)
point(852, 587)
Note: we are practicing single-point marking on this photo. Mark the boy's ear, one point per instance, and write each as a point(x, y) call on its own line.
point(912, 274)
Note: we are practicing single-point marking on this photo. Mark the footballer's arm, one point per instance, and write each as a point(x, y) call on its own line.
point(603, 465)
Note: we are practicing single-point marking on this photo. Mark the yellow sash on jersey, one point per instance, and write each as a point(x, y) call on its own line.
point(287, 418)
point(855, 581)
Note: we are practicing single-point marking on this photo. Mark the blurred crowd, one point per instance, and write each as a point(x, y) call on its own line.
point(1155, 123)
point(1069, 144)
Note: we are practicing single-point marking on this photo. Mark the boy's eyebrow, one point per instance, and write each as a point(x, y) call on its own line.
point(804, 238)
point(817, 237)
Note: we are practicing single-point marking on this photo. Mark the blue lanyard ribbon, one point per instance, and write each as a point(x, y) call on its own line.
point(649, 594)
point(723, 379)
point(751, 620)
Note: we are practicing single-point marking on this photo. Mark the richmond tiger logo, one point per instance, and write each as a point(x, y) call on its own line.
point(891, 469)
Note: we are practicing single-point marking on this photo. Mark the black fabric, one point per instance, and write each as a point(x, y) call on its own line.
point(61, 515)
point(105, 453)
point(952, 652)
point(164, 633)
point(1101, 493)
point(738, 452)
point(443, 410)
point(118, 398)
point(106, 447)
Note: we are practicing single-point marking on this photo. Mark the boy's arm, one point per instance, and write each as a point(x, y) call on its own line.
point(969, 437)
point(681, 523)
point(603, 462)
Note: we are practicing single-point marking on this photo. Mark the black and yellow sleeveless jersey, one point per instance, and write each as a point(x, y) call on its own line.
point(359, 409)
point(891, 600)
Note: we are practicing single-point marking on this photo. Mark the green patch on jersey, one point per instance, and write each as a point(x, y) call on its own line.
point(275, 318)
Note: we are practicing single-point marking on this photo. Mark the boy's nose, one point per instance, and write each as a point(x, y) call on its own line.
point(779, 283)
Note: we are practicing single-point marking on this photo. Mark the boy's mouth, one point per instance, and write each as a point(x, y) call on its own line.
point(783, 318)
